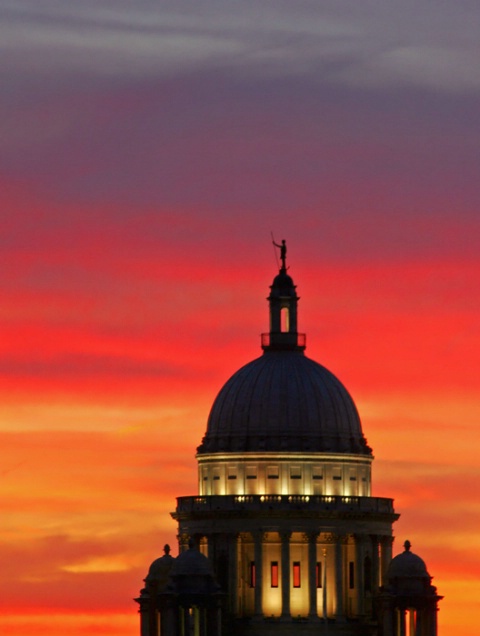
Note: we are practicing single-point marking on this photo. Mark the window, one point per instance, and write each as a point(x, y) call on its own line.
point(272, 472)
point(317, 476)
point(284, 320)
point(353, 479)
point(251, 472)
point(337, 477)
point(296, 574)
point(252, 574)
point(232, 472)
point(351, 575)
point(274, 574)
point(295, 472)
point(232, 476)
point(318, 574)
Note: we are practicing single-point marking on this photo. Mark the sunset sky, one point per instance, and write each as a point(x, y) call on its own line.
point(148, 150)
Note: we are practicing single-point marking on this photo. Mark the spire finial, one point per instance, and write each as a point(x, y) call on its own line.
point(407, 545)
point(283, 253)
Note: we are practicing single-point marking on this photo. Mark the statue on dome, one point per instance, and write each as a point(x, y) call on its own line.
point(283, 252)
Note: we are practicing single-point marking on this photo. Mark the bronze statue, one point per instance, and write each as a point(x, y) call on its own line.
point(283, 252)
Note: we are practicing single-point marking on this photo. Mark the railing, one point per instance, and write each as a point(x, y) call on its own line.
point(318, 503)
point(283, 340)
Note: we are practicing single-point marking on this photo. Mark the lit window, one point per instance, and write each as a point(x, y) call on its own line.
point(252, 574)
point(351, 575)
point(284, 320)
point(295, 472)
point(272, 472)
point(251, 472)
point(318, 573)
point(274, 574)
point(296, 574)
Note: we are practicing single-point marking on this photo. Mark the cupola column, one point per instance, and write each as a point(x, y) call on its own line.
point(360, 573)
point(233, 573)
point(258, 538)
point(312, 574)
point(285, 552)
point(386, 555)
point(339, 578)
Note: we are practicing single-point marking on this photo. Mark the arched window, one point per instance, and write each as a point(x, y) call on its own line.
point(284, 320)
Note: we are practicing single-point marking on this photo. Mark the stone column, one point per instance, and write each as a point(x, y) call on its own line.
point(402, 622)
point(258, 538)
point(339, 578)
point(375, 564)
point(285, 553)
point(360, 574)
point(386, 543)
point(312, 574)
point(233, 573)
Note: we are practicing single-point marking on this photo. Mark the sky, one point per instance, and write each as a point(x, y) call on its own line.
point(148, 151)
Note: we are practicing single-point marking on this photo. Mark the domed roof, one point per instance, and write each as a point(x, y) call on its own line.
point(160, 569)
point(284, 401)
point(407, 575)
point(192, 573)
point(407, 565)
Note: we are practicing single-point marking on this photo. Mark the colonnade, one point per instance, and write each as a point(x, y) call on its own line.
point(339, 560)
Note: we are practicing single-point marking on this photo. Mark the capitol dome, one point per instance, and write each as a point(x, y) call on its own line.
point(283, 401)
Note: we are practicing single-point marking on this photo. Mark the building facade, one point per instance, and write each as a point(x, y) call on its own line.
point(284, 510)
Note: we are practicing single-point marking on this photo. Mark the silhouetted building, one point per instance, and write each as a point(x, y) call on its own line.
point(284, 511)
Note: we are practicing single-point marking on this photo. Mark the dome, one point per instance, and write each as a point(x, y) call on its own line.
point(284, 401)
point(160, 569)
point(407, 565)
point(192, 573)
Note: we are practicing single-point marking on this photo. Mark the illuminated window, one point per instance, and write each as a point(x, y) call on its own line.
point(272, 472)
point(252, 574)
point(251, 472)
point(318, 573)
point(284, 320)
point(295, 472)
point(351, 575)
point(274, 574)
point(296, 574)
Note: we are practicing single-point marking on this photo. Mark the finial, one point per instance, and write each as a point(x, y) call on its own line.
point(166, 549)
point(407, 545)
point(283, 253)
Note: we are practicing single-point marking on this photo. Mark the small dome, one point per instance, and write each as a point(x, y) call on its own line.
point(159, 570)
point(284, 401)
point(407, 573)
point(283, 282)
point(192, 573)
